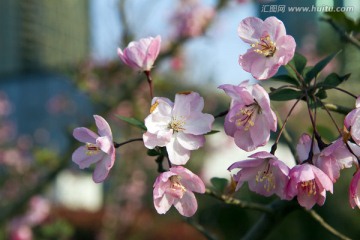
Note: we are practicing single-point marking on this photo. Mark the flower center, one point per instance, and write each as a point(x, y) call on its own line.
point(265, 46)
point(247, 115)
point(267, 177)
point(176, 188)
point(177, 124)
point(309, 187)
point(91, 149)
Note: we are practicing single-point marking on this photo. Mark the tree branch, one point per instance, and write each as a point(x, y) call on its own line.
point(324, 224)
point(233, 201)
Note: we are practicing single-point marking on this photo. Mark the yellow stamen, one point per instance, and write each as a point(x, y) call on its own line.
point(91, 149)
point(153, 107)
point(265, 46)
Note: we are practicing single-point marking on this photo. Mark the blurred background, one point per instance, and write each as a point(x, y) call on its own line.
point(59, 67)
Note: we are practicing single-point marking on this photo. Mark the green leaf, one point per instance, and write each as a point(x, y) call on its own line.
point(299, 63)
point(284, 94)
point(212, 132)
point(133, 121)
point(286, 79)
point(319, 67)
point(333, 80)
point(219, 184)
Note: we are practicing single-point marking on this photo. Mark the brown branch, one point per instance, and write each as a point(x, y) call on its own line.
point(233, 201)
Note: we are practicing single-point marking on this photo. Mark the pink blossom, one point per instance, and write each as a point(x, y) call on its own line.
point(141, 55)
point(309, 184)
point(191, 18)
point(250, 117)
point(331, 159)
point(265, 174)
point(270, 46)
point(354, 190)
point(334, 158)
point(176, 187)
point(304, 146)
point(179, 126)
point(352, 122)
point(97, 149)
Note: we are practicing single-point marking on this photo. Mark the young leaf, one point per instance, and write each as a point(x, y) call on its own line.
point(133, 121)
point(284, 94)
point(333, 80)
point(212, 132)
point(298, 62)
point(321, 94)
point(319, 67)
point(219, 184)
point(286, 79)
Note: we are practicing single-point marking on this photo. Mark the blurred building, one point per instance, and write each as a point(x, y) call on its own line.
point(41, 34)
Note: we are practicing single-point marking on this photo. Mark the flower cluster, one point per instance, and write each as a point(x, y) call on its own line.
point(173, 129)
point(180, 128)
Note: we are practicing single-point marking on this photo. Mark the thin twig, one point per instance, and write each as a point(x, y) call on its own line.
point(233, 201)
point(343, 34)
point(287, 137)
point(331, 117)
point(282, 128)
point(324, 224)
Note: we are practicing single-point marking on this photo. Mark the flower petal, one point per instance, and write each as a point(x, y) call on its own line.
point(85, 135)
point(189, 141)
point(163, 204)
point(84, 160)
point(103, 127)
point(102, 168)
point(187, 205)
point(177, 154)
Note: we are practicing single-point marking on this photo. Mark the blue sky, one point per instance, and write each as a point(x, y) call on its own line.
point(218, 52)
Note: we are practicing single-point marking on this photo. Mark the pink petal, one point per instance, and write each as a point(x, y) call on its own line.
point(189, 141)
point(260, 132)
point(322, 180)
point(250, 163)
point(83, 160)
point(103, 127)
point(244, 141)
point(152, 140)
point(248, 29)
point(152, 52)
point(285, 49)
point(163, 204)
point(102, 169)
point(177, 154)
point(354, 193)
point(105, 144)
point(187, 205)
point(274, 27)
point(189, 180)
point(306, 200)
point(85, 135)
point(199, 123)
